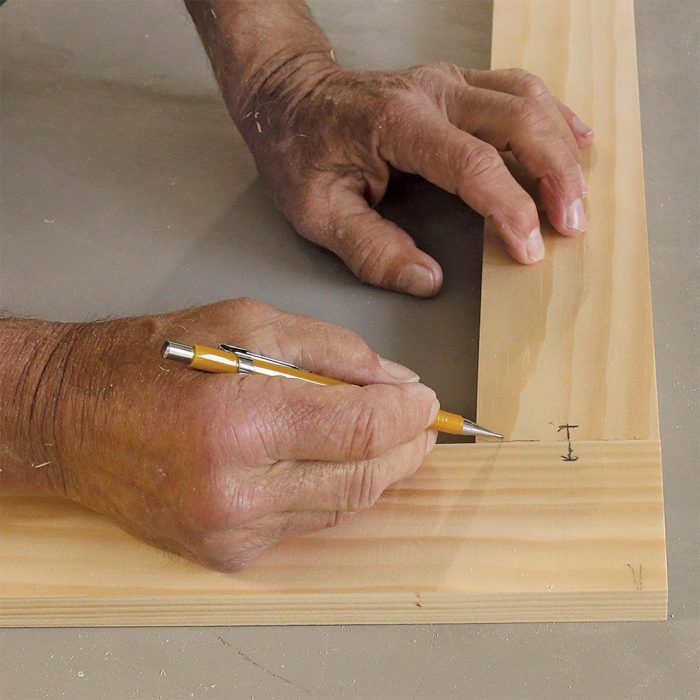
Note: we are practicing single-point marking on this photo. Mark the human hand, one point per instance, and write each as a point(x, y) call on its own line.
point(219, 467)
point(324, 140)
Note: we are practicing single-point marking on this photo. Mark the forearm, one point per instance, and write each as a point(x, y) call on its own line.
point(261, 52)
point(33, 356)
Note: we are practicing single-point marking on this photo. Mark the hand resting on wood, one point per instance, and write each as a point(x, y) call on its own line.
point(214, 467)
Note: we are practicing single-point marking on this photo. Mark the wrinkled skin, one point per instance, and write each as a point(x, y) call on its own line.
point(219, 467)
point(324, 140)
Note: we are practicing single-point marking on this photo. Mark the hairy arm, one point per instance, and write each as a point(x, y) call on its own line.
point(260, 52)
point(34, 354)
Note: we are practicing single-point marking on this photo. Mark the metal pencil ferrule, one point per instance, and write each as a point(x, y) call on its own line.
point(246, 359)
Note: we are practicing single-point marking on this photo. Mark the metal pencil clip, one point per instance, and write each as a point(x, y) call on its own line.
point(245, 358)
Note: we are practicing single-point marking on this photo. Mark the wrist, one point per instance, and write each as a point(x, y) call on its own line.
point(33, 367)
point(264, 55)
point(279, 86)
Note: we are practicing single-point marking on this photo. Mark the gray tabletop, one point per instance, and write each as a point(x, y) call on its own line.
point(126, 190)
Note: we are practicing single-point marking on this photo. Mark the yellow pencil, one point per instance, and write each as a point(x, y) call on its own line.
point(232, 359)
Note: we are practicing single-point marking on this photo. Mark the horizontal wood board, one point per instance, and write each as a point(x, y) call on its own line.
point(492, 532)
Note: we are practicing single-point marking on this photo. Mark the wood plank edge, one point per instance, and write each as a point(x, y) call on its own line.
point(589, 606)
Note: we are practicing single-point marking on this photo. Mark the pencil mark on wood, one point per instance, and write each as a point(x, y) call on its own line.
point(569, 456)
point(637, 577)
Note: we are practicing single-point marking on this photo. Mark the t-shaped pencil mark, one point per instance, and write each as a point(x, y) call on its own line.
point(569, 456)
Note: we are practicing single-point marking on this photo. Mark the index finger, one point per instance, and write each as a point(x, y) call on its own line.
point(272, 419)
point(515, 81)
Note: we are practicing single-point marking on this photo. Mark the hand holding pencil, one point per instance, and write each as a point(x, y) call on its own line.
point(230, 359)
point(219, 467)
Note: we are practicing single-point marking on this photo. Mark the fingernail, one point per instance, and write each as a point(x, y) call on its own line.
point(434, 411)
point(584, 184)
point(581, 128)
point(430, 442)
point(535, 245)
point(576, 216)
point(397, 371)
point(416, 279)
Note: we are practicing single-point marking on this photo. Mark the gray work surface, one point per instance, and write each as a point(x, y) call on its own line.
point(126, 190)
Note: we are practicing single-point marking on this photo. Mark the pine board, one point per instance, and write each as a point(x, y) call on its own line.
point(570, 339)
point(482, 533)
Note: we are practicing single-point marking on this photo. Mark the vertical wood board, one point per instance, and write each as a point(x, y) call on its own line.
point(570, 340)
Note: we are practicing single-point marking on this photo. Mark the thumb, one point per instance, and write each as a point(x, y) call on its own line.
point(377, 250)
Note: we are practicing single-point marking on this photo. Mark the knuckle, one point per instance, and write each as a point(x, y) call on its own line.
point(359, 256)
point(248, 306)
point(207, 508)
point(437, 72)
point(362, 490)
point(246, 302)
point(480, 160)
point(340, 342)
point(368, 259)
point(366, 436)
point(531, 114)
point(238, 312)
point(398, 106)
point(528, 84)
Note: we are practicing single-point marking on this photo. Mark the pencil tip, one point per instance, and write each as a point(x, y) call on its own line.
point(471, 428)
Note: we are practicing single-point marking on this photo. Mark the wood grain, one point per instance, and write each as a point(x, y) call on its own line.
point(488, 532)
point(492, 532)
point(570, 339)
